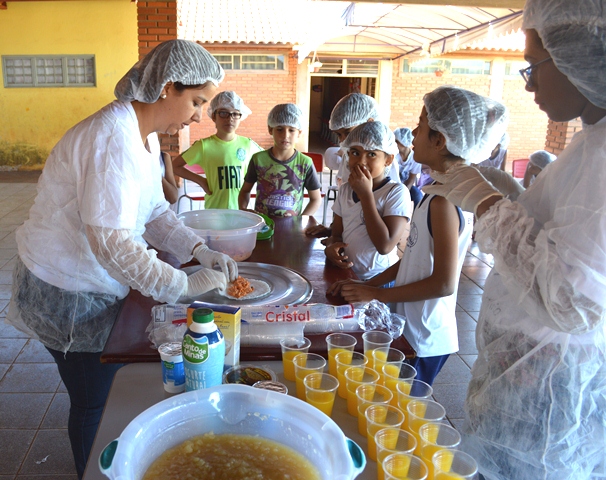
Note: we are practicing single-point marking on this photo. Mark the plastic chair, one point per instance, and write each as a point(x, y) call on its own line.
point(518, 167)
point(193, 196)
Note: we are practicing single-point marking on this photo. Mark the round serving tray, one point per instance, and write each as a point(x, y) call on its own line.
point(286, 286)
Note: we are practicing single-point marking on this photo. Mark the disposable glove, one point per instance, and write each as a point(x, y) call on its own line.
point(502, 181)
point(204, 280)
point(209, 258)
point(462, 185)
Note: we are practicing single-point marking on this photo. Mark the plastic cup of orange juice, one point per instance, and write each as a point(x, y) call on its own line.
point(396, 374)
point(420, 412)
point(381, 356)
point(413, 390)
point(375, 339)
point(370, 394)
point(344, 360)
point(290, 348)
point(306, 363)
point(335, 343)
point(320, 391)
point(434, 437)
point(451, 464)
point(354, 377)
point(404, 466)
point(379, 417)
point(392, 440)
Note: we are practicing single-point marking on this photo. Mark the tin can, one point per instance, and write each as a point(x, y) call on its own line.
point(173, 373)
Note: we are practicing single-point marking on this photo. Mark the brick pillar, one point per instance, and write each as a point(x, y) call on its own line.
point(157, 22)
point(559, 135)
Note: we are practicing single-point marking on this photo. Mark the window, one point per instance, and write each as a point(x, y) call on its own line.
point(362, 67)
point(49, 71)
point(512, 69)
point(454, 66)
point(250, 62)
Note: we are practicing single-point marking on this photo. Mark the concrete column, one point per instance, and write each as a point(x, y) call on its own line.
point(383, 88)
point(497, 78)
point(302, 89)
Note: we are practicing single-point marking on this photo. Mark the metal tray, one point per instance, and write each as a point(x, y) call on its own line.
point(287, 287)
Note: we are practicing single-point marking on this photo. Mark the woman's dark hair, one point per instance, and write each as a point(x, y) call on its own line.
point(181, 88)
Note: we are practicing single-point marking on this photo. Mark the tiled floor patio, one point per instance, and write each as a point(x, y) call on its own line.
point(33, 402)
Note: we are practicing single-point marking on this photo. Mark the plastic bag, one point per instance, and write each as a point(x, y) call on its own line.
point(375, 315)
point(168, 324)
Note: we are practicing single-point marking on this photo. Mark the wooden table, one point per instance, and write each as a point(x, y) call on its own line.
point(289, 247)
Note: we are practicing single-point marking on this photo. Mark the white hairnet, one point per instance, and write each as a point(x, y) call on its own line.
point(372, 136)
point(404, 136)
point(352, 110)
point(574, 34)
point(172, 61)
point(229, 101)
point(541, 158)
point(472, 124)
point(286, 115)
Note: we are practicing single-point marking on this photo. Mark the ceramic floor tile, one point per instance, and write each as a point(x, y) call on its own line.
point(46, 477)
point(469, 359)
point(23, 410)
point(467, 343)
point(3, 369)
point(452, 398)
point(8, 331)
point(457, 423)
point(5, 290)
point(58, 412)
point(14, 445)
point(34, 352)
point(465, 322)
point(7, 253)
point(470, 303)
point(49, 454)
point(454, 371)
point(10, 349)
point(6, 277)
point(31, 377)
point(467, 287)
point(9, 265)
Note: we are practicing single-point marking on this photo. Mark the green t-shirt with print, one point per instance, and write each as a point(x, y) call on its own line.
point(224, 164)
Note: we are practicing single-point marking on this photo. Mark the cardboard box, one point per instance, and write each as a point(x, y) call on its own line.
point(227, 318)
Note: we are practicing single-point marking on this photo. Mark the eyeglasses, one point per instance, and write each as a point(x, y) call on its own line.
point(234, 115)
point(527, 72)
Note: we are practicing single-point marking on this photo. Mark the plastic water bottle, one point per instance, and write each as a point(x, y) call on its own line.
point(203, 351)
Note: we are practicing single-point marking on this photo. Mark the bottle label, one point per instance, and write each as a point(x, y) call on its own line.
point(195, 350)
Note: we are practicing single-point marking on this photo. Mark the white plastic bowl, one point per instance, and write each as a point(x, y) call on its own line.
point(233, 232)
point(236, 409)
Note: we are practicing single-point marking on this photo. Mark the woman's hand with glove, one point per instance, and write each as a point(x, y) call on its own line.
point(209, 258)
point(502, 181)
point(464, 186)
point(204, 280)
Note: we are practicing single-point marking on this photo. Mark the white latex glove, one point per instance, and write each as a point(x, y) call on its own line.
point(462, 185)
point(204, 280)
point(502, 181)
point(209, 258)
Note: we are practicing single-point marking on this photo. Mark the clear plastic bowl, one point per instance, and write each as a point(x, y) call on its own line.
point(236, 409)
point(233, 232)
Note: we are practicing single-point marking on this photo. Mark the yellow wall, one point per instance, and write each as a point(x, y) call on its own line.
point(107, 29)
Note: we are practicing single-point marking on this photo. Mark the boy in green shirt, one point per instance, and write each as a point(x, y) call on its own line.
point(281, 172)
point(223, 156)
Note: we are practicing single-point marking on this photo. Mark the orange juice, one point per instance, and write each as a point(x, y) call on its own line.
point(398, 467)
point(389, 442)
point(402, 400)
point(332, 363)
point(448, 476)
point(289, 368)
point(377, 358)
point(323, 401)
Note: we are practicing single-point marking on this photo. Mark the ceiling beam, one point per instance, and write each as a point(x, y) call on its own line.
point(456, 3)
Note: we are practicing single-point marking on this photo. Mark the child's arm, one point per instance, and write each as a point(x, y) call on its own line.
point(180, 170)
point(169, 184)
point(335, 248)
point(315, 200)
point(442, 281)
point(244, 195)
point(382, 278)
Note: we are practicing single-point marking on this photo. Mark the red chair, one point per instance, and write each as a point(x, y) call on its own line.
point(518, 167)
point(197, 196)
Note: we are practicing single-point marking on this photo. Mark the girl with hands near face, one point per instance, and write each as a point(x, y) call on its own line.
point(371, 210)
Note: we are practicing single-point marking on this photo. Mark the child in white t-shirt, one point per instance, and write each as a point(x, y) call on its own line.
point(371, 210)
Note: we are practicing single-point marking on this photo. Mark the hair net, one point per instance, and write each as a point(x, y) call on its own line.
point(541, 158)
point(285, 114)
point(230, 101)
point(352, 110)
point(574, 34)
point(404, 136)
point(472, 124)
point(372, 136)
point(172, 61)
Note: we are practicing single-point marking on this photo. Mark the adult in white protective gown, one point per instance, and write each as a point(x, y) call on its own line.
point(99, 197)
point(536, 404)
